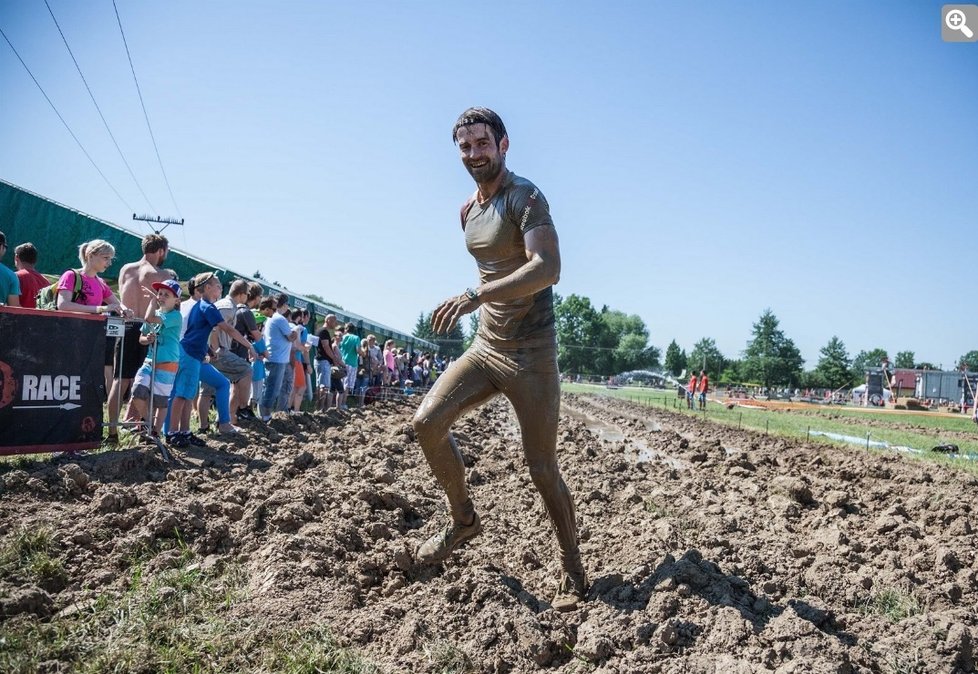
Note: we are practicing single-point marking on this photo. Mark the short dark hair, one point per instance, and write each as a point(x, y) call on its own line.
point(3, 239)
point(266, 303)
point(154, 243)
point(281, 299)
point(254, 290)
point(480, 116)
point(26, 252)
point(238, 287)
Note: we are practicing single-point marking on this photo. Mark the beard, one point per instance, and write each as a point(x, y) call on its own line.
point(487, 172)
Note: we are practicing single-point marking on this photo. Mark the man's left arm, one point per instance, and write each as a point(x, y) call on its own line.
point(542, 270)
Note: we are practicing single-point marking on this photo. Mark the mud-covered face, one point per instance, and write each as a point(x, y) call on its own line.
point(481, 156)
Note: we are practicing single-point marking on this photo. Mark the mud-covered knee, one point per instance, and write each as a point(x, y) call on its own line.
point(544, 473)
point(425, 426)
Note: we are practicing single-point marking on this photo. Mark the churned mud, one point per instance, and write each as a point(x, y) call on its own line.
point(708, 549)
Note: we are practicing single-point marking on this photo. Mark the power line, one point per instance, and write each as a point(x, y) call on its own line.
point(53, 107)
point(111, 135)
point(145, 114)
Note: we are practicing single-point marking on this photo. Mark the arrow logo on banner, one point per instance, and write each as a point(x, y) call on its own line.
point(63, 406)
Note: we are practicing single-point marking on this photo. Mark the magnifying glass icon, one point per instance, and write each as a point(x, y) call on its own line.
point(956, 20)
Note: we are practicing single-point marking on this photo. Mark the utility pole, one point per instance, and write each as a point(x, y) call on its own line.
point(166, 222)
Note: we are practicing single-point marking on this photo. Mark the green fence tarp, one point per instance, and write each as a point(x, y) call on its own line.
point(57, 231)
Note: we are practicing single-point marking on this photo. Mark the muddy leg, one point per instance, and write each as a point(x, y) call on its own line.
point(459, 389)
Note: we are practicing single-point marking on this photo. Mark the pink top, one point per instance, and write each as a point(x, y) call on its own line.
point(94, 291)
point(389, 360)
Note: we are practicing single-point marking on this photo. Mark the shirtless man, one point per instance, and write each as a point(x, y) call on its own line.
point(134, 279)
point(509, 232)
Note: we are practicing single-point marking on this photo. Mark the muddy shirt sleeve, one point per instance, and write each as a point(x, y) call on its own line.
point(528, 208)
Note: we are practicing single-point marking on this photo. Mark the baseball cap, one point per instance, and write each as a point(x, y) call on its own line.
point(170, 285)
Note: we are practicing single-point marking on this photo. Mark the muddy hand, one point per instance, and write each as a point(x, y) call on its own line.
point(448, 313)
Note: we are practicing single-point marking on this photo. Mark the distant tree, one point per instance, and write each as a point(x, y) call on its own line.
point(833, 368)
point(580, 334)
point(904, 359)
point(258, 275)
point(322, 300)
point(970, 360)
point(731, 373)
point(628, 338)
point(771, 358)
point(472, 330)
point(811, 379)
point(706, 351)
point(675, 359)
point(865, 360)
point(449, 345)
point(924, 365)
point(423, 329)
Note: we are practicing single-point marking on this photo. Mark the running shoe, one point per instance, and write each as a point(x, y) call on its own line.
point(571, 591)
point(440, 546)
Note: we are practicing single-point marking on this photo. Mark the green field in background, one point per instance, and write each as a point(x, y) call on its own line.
point(933, 429)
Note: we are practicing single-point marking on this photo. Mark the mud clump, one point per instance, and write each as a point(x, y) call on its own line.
point(708, 548)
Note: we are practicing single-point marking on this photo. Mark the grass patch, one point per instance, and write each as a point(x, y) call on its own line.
point(895, 605)
point(183, 619)
point(447, 658)
point(795, 424)
point(31, 555)
point(315, 651)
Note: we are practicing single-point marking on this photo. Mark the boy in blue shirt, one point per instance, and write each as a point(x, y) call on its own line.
point(203, 318)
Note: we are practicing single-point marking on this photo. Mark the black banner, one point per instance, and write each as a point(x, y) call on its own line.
point(52, 381)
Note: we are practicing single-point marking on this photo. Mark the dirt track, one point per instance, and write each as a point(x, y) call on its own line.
point(722, 551)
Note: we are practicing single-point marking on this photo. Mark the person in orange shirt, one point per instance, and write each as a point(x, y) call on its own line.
point(703, 388)
point(690, 391)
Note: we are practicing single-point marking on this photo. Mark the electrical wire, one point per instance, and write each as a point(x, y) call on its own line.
point(145, 114)
point(53, 107)
point(87, 88)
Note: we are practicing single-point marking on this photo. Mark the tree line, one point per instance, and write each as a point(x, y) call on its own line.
point(605, 341)
point(772, 360)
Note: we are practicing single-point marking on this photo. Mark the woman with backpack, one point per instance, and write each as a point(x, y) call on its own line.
point(82, 290)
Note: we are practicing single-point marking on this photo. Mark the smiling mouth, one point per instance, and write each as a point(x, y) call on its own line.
point(480, 164)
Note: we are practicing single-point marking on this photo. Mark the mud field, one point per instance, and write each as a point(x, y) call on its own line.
point(708, 549)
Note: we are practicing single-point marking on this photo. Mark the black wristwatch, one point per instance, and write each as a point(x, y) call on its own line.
point(472, 295)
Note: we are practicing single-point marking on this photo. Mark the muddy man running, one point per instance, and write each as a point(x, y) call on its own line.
point(509, 232)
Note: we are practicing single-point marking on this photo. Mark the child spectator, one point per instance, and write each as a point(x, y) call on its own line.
point(258, 365)
point(202, 320)
point(31, 280)
point(162, 328)
point(350, 349)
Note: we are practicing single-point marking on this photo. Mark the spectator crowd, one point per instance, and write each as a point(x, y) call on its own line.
point(193, 348)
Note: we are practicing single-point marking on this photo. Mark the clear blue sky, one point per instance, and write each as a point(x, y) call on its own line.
point(703, 161)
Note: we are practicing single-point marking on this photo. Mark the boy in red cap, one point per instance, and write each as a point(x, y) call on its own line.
point(162, 328)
